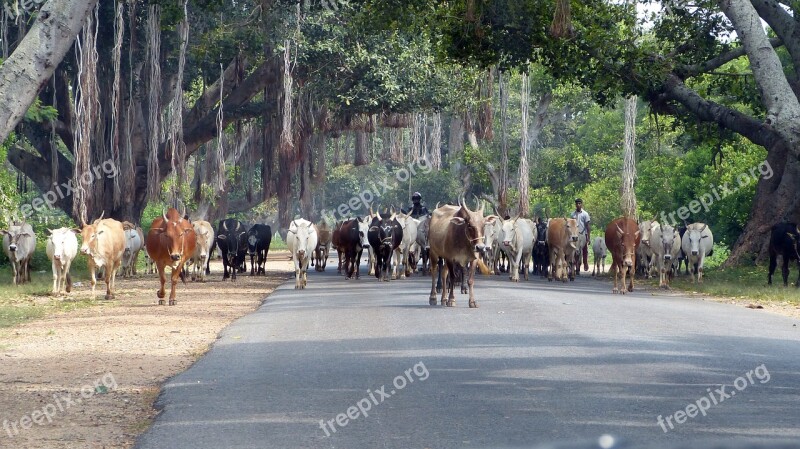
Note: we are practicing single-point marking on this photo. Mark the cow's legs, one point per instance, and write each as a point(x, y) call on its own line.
point(785, 270)
point(108, 278)
point(67, 278)
point(630, 287)
point(471, 284)
point(434, 272)
point(56, 276)
point(624, 271)
point(174, 276)
point(773, 263)
point(797, 284)
point(93, 278)
point(445, 283)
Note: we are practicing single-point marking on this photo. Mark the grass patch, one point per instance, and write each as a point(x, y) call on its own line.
point(740, 283)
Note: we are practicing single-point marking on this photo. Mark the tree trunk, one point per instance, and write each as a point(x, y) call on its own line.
point(33, 62)
point(524, 199)
point(361, 148)
point(627, 191)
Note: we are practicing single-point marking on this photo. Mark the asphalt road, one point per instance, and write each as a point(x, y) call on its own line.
point(537, 363)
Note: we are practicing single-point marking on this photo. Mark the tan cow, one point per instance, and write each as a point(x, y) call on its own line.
point(623, 237)
point(202, 250)
point(562, 241)
point(104, 244)
point(320, 260)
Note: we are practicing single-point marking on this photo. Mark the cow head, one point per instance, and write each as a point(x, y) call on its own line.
point(571, 231)
point(363, 230)
point(627, 241)
point(646, 228)
point(89, 236)
point(472, 223)
point(300, 232)
point(509, 228)
point(387, 232)
point(202, 241)
point(14, 234)
point(252, 242)
point(541, 233)
point(58, 238)
point(669, 236)
point(695, 236)
point(491, 228)
point(176, 229)
point(230, 236)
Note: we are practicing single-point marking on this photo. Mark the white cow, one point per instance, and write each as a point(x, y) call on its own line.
point(134, 242)
point(409, 226)
point(205, 242)
point(600, 252)
point(363, 230)
point(301, 241)
point(62, 247)
point(19, 243)
point(697, 243)
point(666, 244)
point(517, 242)
point(646, 262)
point(492, 235)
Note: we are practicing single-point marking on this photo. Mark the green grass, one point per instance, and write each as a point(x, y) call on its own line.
point(30, 301)
point(741, 283)
point(277, 242)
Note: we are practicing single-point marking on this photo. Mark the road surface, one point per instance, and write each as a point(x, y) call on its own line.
point(537, 363)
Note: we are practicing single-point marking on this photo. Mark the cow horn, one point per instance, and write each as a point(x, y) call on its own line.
point(483, 204)
point(704, 227)
point(437, 204)
point(101, 216)
point(183, 208)
point(619, 228)
point(164, 214)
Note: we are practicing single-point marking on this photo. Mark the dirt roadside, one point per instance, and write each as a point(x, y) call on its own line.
point(88, 378)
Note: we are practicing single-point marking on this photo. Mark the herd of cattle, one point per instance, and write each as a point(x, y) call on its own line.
point(463, 239)
point(449, 244)
point(110, 245)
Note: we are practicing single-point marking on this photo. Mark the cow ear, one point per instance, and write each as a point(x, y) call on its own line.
point(458, 221)
point(49, 231)
point(222, 237)
point(76, 230)
point(636, 234)
point(100, 232)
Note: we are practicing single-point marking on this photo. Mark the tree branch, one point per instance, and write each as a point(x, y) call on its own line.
point(688, 71)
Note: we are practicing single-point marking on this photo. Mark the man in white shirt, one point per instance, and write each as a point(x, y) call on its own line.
point(584, 227)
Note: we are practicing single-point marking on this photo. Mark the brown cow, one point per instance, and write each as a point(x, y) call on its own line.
point(622, 239)
point(104, 243)
point(562, 241)
point(455, 235)
point(170, 243)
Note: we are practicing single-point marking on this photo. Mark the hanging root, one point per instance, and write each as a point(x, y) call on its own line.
point(561, 27)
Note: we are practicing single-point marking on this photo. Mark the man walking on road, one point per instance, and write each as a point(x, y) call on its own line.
point(584, 227)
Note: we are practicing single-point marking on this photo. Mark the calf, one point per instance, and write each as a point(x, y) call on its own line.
point(541, 254)
point(784, 242)
point(259, 238)
point(456, 235)
point(666, 245)
point(622, 239)
point(517, 237)
point(232, 243)
point(599, 249)
point(323, 246)
point(62, 247)
point(19, 244)
point(202, 250)
point(697, 243)
point(301, 241)
point(103, 243)
point(336, 244)
point(562, 239)
point(134, 242)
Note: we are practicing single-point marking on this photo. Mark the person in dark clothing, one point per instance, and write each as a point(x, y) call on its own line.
point(417, 208)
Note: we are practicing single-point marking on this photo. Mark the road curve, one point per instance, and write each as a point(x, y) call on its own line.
point(537, 363)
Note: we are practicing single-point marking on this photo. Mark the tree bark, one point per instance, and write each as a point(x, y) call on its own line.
point(33, 62)
point(361, 148)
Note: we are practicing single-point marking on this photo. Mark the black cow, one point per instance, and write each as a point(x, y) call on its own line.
point(259, 238)
point(232, 242)
point(384, 236)
point(541, 253)
point(784, 241)
point(352, 242)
